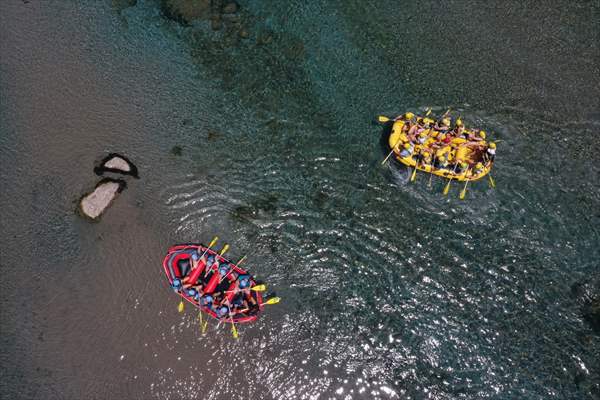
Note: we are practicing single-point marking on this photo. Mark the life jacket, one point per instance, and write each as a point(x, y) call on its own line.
point(444, 150)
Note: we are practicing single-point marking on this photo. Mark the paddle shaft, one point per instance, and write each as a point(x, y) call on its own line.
point(231, 270)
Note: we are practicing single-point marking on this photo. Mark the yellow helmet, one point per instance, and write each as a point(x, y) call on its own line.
point(409, 115)
point(459, 122)
point(407, 146)
point(442, 158)
point(482, 134)
point(446, 121)
point(442, 136)
point(479, 165)
point(427, 121)
point(434, 134)
point(422, 134)
point(492, 145)
point(464, 164)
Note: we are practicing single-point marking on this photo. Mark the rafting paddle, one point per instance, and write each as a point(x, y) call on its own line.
point(391, 152)
point(257, 288)
point(200, 315)
point(180, 306)
point(431, 170)
point(414, 174)
point(234, 331)
point(224, 249)
point(492, 183)
point(464, 191)
point(211, 244)
point(231, 270)
point(383, 119)
point(272, 300)
point(447, 188)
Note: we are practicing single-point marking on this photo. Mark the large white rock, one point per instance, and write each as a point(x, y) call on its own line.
point(117, 163)
point(93, 204)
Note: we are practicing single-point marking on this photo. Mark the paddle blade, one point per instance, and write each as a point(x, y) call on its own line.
point(273, 300)
point(214, 241)
point(492, 183)
point(225, 248)
point(180, 306)
point(447, 188)
point(462, 193)
point(428, 112)
point(259, 288)
point(382, 118)
point(234, 331)
point(204, 326)
point(414, 174)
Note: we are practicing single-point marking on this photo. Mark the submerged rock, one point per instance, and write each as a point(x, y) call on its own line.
point(116, 163)
point(93, 204)
point(591, 313)
point(176, 150)
point(186, 11)
point(230, 8)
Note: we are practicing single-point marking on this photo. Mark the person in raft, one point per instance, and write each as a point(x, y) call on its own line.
point(207, 301)
point(491, 151)
point(198, 264)
point(222, 312)
point(176, 285)
point(243, 286)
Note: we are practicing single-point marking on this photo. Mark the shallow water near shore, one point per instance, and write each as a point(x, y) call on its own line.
point(390, 290)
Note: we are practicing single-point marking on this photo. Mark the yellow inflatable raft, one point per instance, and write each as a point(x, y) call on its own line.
point(460, 149)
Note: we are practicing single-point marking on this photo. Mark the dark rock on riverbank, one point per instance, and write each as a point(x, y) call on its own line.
point(93, 204)
point(116, 163)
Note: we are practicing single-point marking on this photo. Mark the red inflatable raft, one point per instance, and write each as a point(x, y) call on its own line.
point(177, 264)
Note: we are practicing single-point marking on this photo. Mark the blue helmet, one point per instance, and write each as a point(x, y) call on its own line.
point(224, 269)
point(191, 292)
point(223, 310)
point(244, 281)
point(195, 256)
point(206, 300)
point(210, 259)
point(176, 283)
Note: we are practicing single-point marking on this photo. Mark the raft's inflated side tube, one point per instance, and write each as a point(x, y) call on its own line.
point(171, 262)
